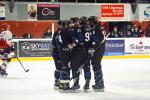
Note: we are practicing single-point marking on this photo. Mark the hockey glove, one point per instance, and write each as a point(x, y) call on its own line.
point(71, 46)
point(91, 52)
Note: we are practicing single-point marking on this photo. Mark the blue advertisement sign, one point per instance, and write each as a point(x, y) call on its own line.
point(115, 47)
point(146, 12)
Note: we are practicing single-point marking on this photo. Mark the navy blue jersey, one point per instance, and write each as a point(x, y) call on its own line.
point(96, 37)
point(64, 39)
point(55, 52)
point(92, 36)
point(87, 36)
point(77, 36)
point(55, 39)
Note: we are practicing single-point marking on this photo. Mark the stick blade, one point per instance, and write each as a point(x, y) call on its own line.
point(27, 70)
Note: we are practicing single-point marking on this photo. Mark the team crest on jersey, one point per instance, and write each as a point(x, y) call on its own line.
point(79, 30)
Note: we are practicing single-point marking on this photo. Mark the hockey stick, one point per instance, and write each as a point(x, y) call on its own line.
point(105, 38)
point(26, 70)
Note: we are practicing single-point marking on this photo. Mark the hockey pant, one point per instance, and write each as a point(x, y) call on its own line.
point(78, 59)
point(96, 63)
point(58, 63)
point(65, 67)
point(6, 58)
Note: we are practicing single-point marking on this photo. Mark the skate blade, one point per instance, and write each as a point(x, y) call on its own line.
point(3, 76)
point(98, 90)
point(86, 91)
point(65, 91)
point(69, 91)
point(76, 91)
point(56, 88)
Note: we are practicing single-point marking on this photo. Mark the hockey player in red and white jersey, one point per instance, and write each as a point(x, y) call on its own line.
point(6, 47)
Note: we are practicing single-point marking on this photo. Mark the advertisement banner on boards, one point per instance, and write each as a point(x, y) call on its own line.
point(48, 11)
point(2, 11)
point(144, 12)
point(35, 48)
point(137, 46)
point(115, 47)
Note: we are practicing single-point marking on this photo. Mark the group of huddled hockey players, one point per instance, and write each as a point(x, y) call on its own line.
point(6, 47)
point(77, 44)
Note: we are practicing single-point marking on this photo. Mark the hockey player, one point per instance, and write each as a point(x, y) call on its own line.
point(56, 55)
point(65, 47)
point(76, 61)
point(86, 34)
point(87, 40)
point(79, 54)
point(6, 47)
point(96, 52)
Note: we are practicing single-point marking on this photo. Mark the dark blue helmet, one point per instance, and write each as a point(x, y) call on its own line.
point(59, 23)
point(72, 20)
point(76, 19)
point(92, 20)
point(65, 24)
point(83, 20)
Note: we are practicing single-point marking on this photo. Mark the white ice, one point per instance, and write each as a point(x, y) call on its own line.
point(125, 79)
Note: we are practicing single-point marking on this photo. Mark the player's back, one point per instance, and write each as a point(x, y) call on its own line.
point(86, 30)
point(65, 38)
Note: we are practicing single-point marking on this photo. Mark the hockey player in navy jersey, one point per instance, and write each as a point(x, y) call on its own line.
point(65, 46)
point(56, 55)
point(79, 53)
point(96, 51)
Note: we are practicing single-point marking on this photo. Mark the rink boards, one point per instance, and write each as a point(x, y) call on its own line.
point(105, 57)
point(116, 48)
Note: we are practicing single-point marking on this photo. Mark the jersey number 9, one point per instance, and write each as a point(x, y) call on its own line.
point(87, 36)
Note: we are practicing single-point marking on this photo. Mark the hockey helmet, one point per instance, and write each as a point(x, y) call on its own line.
point(83, 20)
point(59, 23)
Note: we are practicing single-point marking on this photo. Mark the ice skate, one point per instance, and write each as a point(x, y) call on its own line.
point(76, 86)
point(3, 73)
point(86, 86)
point(65, 88)
point(57, 84)
point(99, 86)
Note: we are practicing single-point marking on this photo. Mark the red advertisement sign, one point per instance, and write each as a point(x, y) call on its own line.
point(112, 11)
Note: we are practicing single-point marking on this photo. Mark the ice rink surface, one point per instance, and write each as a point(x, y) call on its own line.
point(125, 79)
